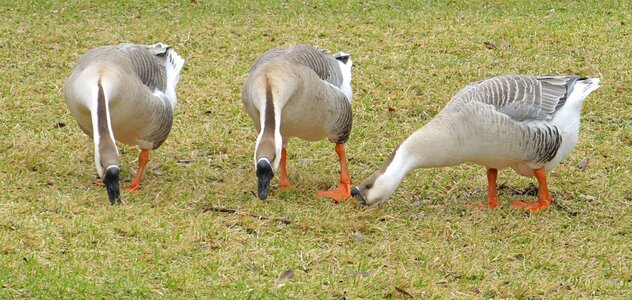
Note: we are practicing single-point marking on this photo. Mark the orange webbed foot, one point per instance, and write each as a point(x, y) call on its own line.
point(133, 188)
point(529, 206)
point(284, 183)
point(338, 194)
point(98, 182)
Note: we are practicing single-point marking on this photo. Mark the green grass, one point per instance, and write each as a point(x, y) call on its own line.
point(60, 238)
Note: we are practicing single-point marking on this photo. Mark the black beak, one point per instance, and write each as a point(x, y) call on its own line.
point(264, 174)
point(111, 181)
point(356, 193)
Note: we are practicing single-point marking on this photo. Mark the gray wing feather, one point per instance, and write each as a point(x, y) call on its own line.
point(520, 97)
point(340, 128)
point(162, 121)
point(146, 65)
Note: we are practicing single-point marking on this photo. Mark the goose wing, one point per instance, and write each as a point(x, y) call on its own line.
point(520, 97)
point(146, 63)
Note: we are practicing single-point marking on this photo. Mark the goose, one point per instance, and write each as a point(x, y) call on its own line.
point(124, 93)
point(527, 123)
point(298, 91)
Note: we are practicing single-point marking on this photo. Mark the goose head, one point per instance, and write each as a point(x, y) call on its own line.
point(374, 190)
point(383, 183)
point(107, 163)
point(265, 172)
point(111, 181)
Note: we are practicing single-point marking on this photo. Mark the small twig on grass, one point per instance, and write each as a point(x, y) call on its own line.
point(404, 293)
point(565, 208)
point(235, 211)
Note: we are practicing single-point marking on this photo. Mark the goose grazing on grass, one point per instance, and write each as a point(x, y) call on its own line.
point(124, 93)
point(528, 123)
point(298, 91)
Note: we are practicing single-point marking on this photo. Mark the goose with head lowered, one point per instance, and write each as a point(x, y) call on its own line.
point(298, 91)
point(527, 123)
point(124, 93)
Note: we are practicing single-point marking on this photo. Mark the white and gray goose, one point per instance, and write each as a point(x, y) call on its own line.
point(527, 123)
point(124, 93)
point(298, 91)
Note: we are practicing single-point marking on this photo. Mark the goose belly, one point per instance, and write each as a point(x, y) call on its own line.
point(498, 152)
point(306, 116)
point(130, 124)
point(497, 155)
point(307, 127)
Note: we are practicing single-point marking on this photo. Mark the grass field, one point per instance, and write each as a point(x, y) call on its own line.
point(60, 237)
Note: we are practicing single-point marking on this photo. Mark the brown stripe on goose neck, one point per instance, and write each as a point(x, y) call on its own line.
point(266, 144)
point(107, 149)
point(369, 181)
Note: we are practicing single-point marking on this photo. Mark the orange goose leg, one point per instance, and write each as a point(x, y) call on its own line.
point(492, 195)
point(343, 191)
point(284, 181)
point(143, 159)
point(544, 198)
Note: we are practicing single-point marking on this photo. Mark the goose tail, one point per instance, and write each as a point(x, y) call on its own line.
point(581, 89)
point(174, 65)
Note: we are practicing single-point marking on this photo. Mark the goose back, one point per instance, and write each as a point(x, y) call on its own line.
point(315, 59)
point(135, 85)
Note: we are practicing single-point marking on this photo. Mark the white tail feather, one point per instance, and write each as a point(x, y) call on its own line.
point(173, 67)
point(580, 92)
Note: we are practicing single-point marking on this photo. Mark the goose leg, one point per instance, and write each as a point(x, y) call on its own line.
point(492, 194)
point(544, 197)
point(284, 181)
point(343, 191)
point(143, 159)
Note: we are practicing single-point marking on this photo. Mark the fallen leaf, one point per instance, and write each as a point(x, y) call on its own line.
point(285, 275)
point(583, 163)
point(390, 109)
point(403, 292)
point(60, 125)
point(358, 236)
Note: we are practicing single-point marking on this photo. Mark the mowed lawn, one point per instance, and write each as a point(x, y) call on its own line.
point(60, 237)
